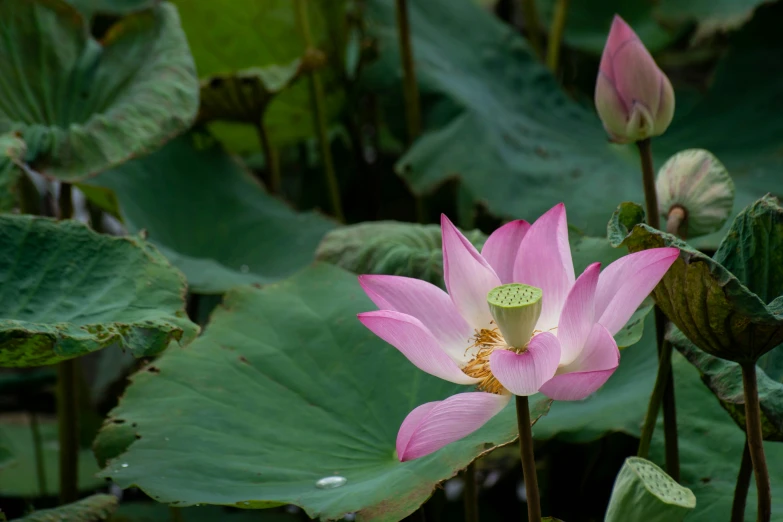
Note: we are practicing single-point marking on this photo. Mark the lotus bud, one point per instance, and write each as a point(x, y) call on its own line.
point(515, 309)
point(634, 98)
point(696, 192)
point(643, 491)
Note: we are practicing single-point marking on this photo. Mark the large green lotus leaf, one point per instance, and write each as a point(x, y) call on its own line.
point(724, 378)
point(82, 105)
point(506, 129)
point(711, 449)
point(211, 218)
point(228, 37)
point(95, 508)
point(18, 477)
point(286, 388)
point(154, 512)
point(68, 291)
point(707, 302)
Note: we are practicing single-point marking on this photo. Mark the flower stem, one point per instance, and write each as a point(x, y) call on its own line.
point(68, 430)
point(470, 496)
point(667, 394)
point(556, 35)
point(270, 158)
point(743, 484)
point(318, 99)
point(65, 201)
point(756, 441)
point(528, 460)
point(176, 514)
point(654, 406)
point(648, 180)
point(40, 464)
point(530, 13)
point(29, 198)
point(675, 221)
point(410, 89)
point(670, 427)
point(67, 413)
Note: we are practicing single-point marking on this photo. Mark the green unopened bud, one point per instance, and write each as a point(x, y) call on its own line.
point(695, 190)
point(643, 491)
point(515, 308)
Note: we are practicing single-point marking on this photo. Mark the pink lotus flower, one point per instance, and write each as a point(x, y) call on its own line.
point(634, 98)
point(514, 321)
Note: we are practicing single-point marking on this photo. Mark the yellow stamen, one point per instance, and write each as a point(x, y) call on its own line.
point(486, 341)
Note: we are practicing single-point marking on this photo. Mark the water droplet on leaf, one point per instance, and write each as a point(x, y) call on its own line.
point(334, 481)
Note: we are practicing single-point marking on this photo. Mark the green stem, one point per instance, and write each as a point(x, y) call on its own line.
point(756, 441)
point(648, 180)
point(528, 460)
point(743, 484)
point(675, 221)
point(318, 99)
point(654, 406)
point(270, 158)
point(556, 35)
point(67, 412)
point(410, 89)
point(176, 514)
point(470, 496)
point(670, 428)
point(68, 428)
point(530, 12)
point(29, 198)
point(65, 201)
point(40, 464)
point(667, 397)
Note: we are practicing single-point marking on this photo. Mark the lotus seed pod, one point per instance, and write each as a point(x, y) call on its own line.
point(515, 309)
point(697, 182)
point(643, 491)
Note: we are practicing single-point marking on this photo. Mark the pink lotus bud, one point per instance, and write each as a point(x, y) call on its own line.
point(634, 98)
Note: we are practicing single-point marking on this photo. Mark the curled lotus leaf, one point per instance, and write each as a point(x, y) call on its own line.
point(727, 305)
point(68, 291)
point(244, 96)
point(84, 105)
